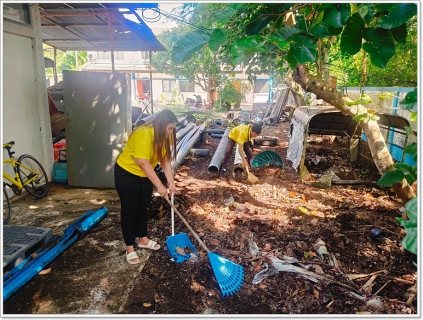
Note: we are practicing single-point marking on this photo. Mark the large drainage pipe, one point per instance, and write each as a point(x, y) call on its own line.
point(217, 159)
point(187, 147)
point(238, 166)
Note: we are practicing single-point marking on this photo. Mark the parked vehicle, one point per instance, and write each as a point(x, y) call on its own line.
point(196, 103)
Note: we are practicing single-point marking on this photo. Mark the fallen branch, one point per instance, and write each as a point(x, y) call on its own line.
point(369, 282)
point(382, 287)
point(353, 182)
point(362, 275)
point(403, 281)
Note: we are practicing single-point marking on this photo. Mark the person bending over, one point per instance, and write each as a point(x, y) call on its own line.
point(241, 135)
point(149, 144)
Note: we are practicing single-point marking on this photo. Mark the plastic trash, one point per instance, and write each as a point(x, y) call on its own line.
point(376, 233)
point(228, 202)
point(193, 258)
point(267, 272)
point(252, 247)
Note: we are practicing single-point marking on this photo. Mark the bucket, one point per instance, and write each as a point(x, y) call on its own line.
point(56, 154)
point(60, 168)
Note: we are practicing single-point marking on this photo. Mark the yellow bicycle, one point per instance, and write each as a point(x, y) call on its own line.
point(29, 175)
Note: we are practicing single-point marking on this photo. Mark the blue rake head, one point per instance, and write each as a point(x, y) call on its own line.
point(229, 275)
point(182, 241)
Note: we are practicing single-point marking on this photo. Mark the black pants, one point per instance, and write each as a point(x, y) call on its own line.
point(231, 143)
point(135, 197)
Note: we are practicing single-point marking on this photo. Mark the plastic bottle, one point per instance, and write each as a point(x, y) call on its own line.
point(60, 168)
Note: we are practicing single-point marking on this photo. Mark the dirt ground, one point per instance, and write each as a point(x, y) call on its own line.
point(290, 222)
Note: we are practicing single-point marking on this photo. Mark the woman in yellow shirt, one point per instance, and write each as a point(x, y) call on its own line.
point(241, 135)
point(149, 144)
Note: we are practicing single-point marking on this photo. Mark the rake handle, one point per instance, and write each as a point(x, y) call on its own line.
point(188, 226)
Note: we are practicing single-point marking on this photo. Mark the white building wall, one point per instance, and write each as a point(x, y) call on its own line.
point(26, 117)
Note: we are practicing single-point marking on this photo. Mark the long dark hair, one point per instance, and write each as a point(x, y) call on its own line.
point(159, 123)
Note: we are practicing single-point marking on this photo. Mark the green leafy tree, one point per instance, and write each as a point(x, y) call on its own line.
point(357, 70)
point(296, 37)
point(206, 67)
point(65, 60)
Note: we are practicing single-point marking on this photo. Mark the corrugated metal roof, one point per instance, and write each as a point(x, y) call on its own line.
point(96, 27)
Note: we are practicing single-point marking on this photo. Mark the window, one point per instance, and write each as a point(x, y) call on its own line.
point(261, 86)
point(16, 12)
point(119, 55)
point(168, 85)
point(186, 86)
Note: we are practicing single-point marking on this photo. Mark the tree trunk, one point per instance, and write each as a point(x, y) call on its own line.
point(380, 153)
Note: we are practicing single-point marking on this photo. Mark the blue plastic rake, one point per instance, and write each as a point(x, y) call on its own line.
point(229, 275)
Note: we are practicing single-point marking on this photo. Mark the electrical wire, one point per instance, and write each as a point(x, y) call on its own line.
point(169, 16)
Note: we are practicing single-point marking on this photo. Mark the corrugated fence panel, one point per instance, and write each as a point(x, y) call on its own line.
point(387, 100)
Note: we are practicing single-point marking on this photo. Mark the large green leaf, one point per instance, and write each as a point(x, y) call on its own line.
point(304, 49)
point(382, 49)
point(282, 44)
point(351, 38)
point(399, 14)
point(400, 33)
point(236, 6)
point(369, 34)
point(285, 33)
point(366, 11)
point(337, 14)
point(291, 59)
point(217, 38)
point(224, 15)
point(187, 46)
point(411, 177)
point(389, 178)
point(411, 148)
point(241, 48)
point(381, 7)
point(334, 31)
point(255, 26)
point(410, 240)
point(320, 30)
point(410, 100)
point(404, 167)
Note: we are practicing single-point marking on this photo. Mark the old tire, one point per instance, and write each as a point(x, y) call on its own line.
point(266, 141)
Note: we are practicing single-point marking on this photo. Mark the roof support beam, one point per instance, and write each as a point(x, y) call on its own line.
point(93, 25)
point(74, 33)
point(71, 14)
point(111, 41)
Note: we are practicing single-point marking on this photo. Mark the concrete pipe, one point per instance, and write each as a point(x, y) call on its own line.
point(219, 154)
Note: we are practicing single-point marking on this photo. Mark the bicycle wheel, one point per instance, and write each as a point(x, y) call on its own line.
point(28, 167)
point(6, 207)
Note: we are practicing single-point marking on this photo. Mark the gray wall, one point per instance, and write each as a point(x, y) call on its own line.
point(98, 121)
point(25, 116)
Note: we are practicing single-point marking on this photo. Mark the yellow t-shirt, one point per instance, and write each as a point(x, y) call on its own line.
point(140, 145)
point(241, 134)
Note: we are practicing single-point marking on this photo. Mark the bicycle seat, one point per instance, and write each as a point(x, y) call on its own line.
point(9, 144)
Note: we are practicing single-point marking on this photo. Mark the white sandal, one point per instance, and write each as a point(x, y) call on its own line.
point(131, 256)
point(150, 245)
